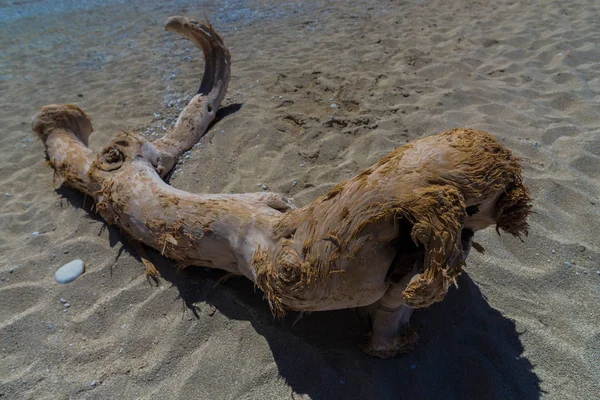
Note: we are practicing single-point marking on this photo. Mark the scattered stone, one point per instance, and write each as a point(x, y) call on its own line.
point(294, 183)
point(265, 187)
point(11, 270)
point(67, 305)
point(413, 366)
point(69, 272)
point(93, 383)
point(302, 165)
point(6, 194)
point(62, 300)
point(280, 97)
point(120, 350)
point(187, 157)
point(598, 272)
point(27, 205)
point(334, 105)
point(553, 251)
point(568, 264)
point(35, 234)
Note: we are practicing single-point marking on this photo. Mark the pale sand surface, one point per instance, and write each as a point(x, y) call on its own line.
point(522, 325)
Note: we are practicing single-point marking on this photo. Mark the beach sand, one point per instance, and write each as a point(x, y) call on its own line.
point(525, 320)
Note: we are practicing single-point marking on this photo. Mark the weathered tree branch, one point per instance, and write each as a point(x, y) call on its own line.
point(392, 238)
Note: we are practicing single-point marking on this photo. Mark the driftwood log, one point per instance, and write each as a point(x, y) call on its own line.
point(391, 239)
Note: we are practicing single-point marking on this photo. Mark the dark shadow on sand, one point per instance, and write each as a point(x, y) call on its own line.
point(468, 350)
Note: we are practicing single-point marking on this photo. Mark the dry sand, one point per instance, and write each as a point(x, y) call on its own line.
point(522, 325)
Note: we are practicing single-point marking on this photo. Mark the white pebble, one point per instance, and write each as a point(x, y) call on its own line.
point(69, 272)
point(265, 187)
point(67, 305)
point(334, 105)
point(6, 194)
point(120, 350)
point(294, 183)
point(35, 234)
point(280, 97)
point(11, 270)
point(553, 251)
point(93, 383)
point(568, 264)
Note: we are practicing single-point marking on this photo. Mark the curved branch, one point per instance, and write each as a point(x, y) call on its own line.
point(195, 119)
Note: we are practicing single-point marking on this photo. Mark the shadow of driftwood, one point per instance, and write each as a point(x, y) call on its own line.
point(468, 350)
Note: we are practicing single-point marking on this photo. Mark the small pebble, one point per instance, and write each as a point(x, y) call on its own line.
point(11, 270)
point(62, 300)
point(302, 165)
point(35, 234)
point(120, 350)
point(334, 105)
point(69, 272)
point(294, 183)
point(27, 205)
point(93, 383)
point(598, 272)
point(553, 251)
point(413, 366)
point(6, 194)
point(265, 187)
point(187, 157)
point(280, 97)
point(568, 264)
point(67, 305)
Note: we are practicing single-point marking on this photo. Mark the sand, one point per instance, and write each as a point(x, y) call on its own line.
point(525, 321)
